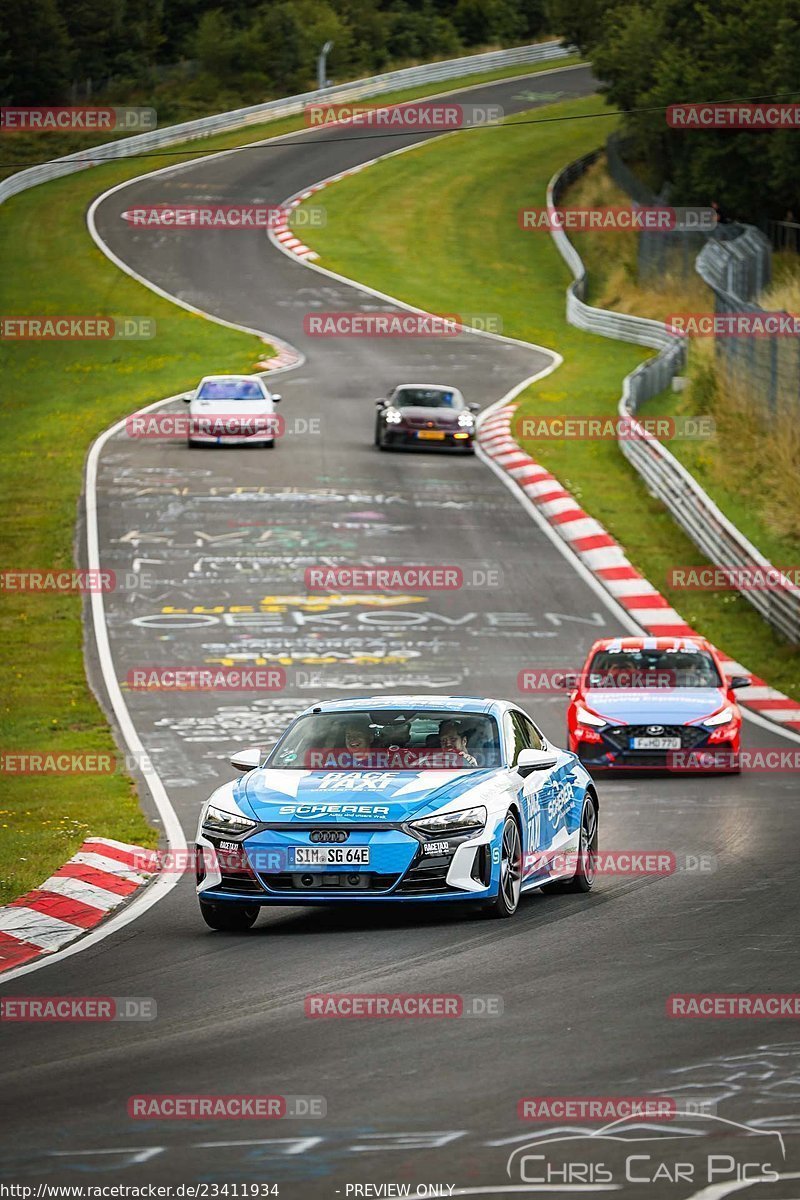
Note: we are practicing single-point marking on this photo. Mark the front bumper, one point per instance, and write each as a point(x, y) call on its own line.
point(259, 438)
point(696, 753)
point(408, 439)
point(261, 868)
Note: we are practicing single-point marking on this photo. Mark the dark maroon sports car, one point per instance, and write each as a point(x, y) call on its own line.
point(425, 416)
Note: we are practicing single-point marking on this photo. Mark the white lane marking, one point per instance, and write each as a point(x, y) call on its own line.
point(35, 927)
point(101, 841)
point(79, 889)
point(165, 882)
point(756, 692)
point(781, 714)
point(654, 618)
point(111, 866)
point(586, 527)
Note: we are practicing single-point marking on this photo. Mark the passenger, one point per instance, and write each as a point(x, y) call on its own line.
point(453, 739)
point(357, 735)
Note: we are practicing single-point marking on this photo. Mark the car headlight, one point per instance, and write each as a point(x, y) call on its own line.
point(393, 417)
point(216, 820)
point(452, 822)
point(721, 718)
point(585, 717)
point(466, 418)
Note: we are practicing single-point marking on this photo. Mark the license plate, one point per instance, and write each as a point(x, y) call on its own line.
point(331, 856)
point(431, 435)
point(656, 743)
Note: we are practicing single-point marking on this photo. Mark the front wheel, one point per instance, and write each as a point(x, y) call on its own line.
point(506, 901)
point(586, 869)
point(230, 918)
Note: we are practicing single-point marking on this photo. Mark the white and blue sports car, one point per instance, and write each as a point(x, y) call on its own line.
point(398, 798)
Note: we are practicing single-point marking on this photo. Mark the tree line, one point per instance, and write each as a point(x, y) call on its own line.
point(183, 56)
point(657, 53)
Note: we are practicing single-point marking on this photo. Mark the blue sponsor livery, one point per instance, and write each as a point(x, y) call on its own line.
point(398, 799)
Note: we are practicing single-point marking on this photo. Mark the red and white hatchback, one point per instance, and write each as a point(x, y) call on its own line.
point(655, 702)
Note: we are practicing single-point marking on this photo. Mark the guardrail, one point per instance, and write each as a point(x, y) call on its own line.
point(740, 265)
point(239, 118)
point(768, 368)
point(665, 477)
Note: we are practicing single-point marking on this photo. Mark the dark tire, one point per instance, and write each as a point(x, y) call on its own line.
point(377, 433)
point(585, 871)
point(506, 901)
point(230, 918)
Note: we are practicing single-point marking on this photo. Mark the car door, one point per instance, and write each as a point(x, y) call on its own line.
point(534, 793)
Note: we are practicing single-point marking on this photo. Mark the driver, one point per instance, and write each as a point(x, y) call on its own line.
point(453, 739)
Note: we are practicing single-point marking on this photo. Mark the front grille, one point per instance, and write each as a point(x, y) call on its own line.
point(330, 881)
point(482, 866)
point(236, 873)
point(428, 874)
point(619, 737)
point(239, 883)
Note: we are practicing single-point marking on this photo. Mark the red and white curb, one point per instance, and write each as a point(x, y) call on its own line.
point(286, 356)
point(100, 877)
point(285, 237)
point(607, 561)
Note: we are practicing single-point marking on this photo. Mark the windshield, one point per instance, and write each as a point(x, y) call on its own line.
point(389, 739)
point(684, 668)
point(230, 389)
point(426, 398)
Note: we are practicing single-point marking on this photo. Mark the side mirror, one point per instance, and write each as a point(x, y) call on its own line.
point(247, 760)
point(382, 402)
point(189, 397)
point(474, 407)
point(276, 397)
point(535, 760)
point(739, 681)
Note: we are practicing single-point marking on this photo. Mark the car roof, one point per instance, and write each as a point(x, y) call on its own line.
point(651, 643)
point(441, 387)
point(249, 378)
point(473, 704)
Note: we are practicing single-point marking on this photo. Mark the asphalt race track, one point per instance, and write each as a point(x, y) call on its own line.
point(583, 981)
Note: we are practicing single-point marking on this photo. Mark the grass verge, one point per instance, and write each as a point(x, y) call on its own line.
point(68, 393)
point(751, 468)
point(469, 255)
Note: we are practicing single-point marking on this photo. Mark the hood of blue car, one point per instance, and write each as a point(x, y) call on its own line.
point(659, 706)
point(346, 796)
